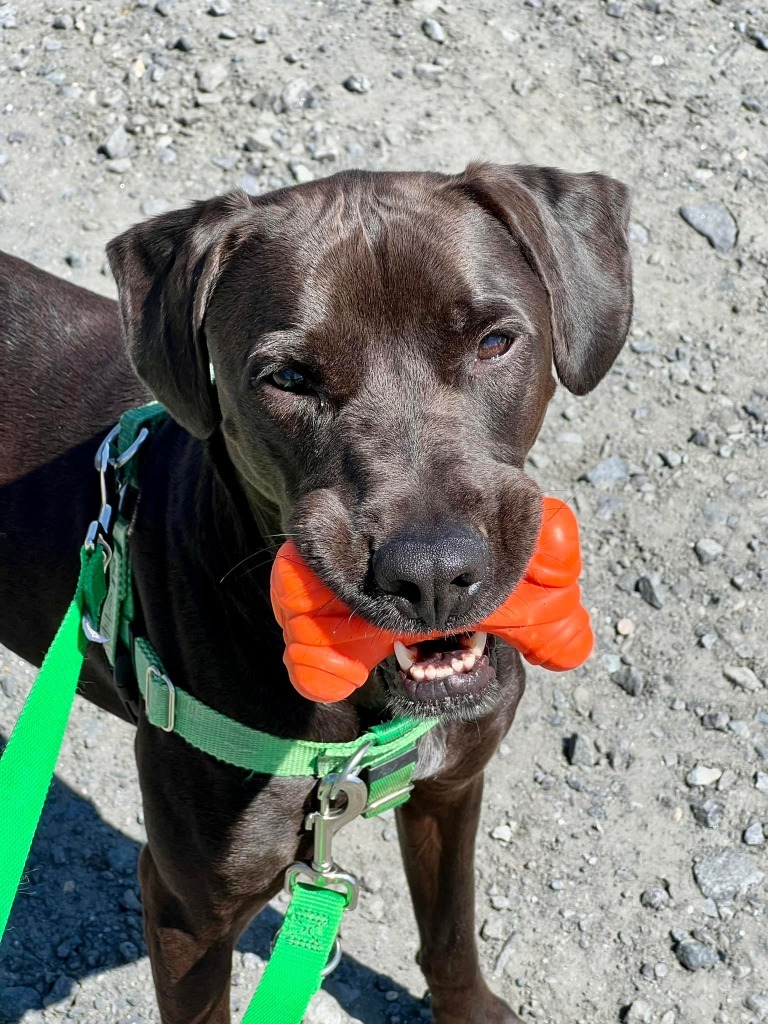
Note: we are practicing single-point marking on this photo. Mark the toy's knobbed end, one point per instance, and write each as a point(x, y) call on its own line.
point(556, 560)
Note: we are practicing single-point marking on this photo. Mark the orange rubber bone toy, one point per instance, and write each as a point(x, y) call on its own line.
point(329, 652)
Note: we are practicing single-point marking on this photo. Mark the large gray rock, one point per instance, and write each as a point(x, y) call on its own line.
point(727, 874)
point(715, 221)
point(695, 955)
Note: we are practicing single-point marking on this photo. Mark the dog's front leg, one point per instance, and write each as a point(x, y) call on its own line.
point(191, 957)
point(437, 830)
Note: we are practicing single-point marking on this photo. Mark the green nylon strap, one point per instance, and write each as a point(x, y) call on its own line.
point(118, 611)
point(171, 708)
point(131, 422)
point(29, 759)
point(294, 971)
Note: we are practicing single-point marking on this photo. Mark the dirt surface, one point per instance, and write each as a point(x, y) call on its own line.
point(612, 883)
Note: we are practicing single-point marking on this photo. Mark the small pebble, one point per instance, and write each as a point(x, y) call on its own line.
point(757, 1002)
point(754, 835)
point(357, 83)
point(76, 260)
point(701, 775)
point(433, 30)
point(707, 550)
point(631, 679)
point(655, 899)
point(742, 677)
point(211, 77)
point(580, 750)
point(713, 220)
point(709, 814)
point(651, 590)
point(695, 955)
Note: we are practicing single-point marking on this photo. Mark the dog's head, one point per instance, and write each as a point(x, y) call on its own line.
point(377, 352)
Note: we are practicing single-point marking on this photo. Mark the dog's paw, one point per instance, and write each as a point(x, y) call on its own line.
point(485, 1009)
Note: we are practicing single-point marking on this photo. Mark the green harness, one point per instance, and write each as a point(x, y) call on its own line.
point(365, 777)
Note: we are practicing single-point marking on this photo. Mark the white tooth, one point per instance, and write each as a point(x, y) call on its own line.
point(444, 672)
point(430, 672)
point(417, 673)
point(477, 643)
point(405, 657)
point(457, 665)
point(469, 660)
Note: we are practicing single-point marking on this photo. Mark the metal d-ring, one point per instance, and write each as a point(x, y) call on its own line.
point(334, 960)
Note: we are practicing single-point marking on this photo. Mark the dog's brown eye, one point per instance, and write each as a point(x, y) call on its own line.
point(493, 346)
point(289, 378)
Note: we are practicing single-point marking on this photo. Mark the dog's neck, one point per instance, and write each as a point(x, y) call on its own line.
point(216, 633)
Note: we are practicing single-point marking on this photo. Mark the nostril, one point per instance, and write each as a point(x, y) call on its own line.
point(465, 580)
point(408, 591)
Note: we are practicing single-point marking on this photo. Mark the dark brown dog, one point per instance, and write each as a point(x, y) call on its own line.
point(382, 347)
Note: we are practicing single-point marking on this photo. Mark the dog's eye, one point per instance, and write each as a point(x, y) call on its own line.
point(290, 378)
point(493, 346)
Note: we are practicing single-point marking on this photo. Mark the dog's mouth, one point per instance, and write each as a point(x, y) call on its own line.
point(451, 675)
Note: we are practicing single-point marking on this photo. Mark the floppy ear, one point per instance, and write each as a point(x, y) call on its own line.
point(166, 269)
point(572, 229)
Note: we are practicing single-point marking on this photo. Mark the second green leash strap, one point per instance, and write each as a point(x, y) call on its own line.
point(295, 969)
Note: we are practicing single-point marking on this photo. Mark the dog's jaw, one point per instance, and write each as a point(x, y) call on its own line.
point(462, 696)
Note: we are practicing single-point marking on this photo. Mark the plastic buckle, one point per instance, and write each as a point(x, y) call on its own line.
point(154, 673)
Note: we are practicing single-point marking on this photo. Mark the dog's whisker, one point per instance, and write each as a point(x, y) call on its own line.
point(253, 554)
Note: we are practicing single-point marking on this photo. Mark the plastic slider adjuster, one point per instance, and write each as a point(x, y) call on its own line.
point(156, 677)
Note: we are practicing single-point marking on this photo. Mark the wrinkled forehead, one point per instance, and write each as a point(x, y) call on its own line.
point(371, 259)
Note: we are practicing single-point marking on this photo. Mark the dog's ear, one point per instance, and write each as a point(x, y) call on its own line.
point(572, 229)
point(166, 270)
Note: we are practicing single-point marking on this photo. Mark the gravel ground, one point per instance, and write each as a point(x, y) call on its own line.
point(622, 854)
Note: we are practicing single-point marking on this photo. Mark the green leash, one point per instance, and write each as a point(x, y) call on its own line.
point(29, 759)
point(297, 966)
point(365, 777)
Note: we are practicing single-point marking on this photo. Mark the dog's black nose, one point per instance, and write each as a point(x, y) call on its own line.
point(432, 573)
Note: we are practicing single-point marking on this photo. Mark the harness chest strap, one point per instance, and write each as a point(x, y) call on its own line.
point(387, 765)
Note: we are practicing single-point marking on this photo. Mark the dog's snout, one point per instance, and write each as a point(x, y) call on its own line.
point(432, 574)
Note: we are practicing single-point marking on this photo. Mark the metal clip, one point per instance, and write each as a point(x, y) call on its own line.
point(131, 450)
point(343, 796)
point(326, 822)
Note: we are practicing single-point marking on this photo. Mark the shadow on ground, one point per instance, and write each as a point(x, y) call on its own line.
point(78, 913)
